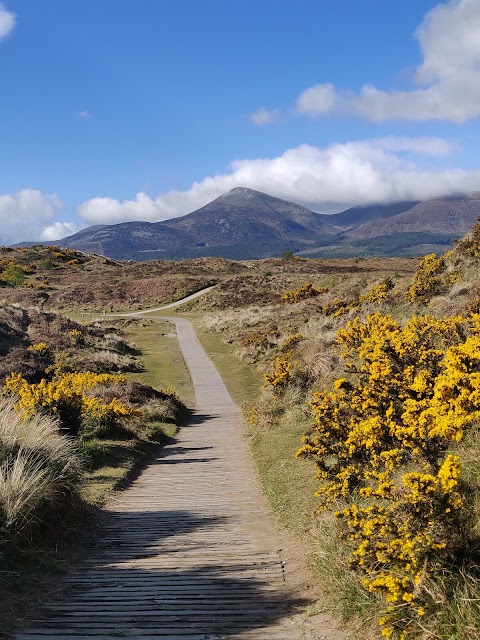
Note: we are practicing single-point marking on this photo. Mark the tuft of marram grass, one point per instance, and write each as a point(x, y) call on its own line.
point(39, 468)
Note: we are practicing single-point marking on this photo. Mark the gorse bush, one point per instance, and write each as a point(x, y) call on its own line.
point(292, 341)
point(470, 245)
point(280, 376)
point(427, 282)
point(77, 337)
point(41, 348)
point(66, 397)
point(307, 290)
point(384, 445)
point(378, 292)
point(338, 308)
point(260, 340)
point(14, 274)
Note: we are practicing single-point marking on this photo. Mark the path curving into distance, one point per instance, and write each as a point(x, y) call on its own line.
point(188, 551)
point(171, 305)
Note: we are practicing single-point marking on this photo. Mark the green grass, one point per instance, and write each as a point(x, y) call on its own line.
point(112, 462)
point(161, 358)
point(242, 380)
point(288, 483)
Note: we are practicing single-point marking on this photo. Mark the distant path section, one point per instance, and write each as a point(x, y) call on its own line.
point(171, 305)
point(188, 552)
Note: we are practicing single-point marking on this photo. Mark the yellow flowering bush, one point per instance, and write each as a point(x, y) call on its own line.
point(66, 396)
point(253, 415)
point(470, 245)
point(426, 282)
point(474, 305)
point(380, 442)
point(291, 341)
point(260, 339)
point(378, 292)
point(306, 290)
point(280, 376)
point(14, 274)
point(40, 347)
point(338, 308)
point(76, 337)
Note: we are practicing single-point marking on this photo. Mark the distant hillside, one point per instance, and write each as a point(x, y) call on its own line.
point(454, 215)
point(248, 224)
point(359, 215)
point(242, 223)
point(429, 226)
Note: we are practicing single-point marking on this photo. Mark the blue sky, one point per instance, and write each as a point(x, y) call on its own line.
point(115, 110)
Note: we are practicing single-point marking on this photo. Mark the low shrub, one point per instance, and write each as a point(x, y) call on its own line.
point(378, 292)
point(280, 376)
point(307, 290)
point(427, 282)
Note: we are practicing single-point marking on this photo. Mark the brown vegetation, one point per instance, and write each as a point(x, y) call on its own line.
point(63, 279)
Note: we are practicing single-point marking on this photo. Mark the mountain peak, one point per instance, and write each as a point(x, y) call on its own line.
point(242, 192)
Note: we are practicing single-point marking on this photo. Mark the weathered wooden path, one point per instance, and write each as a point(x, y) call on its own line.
point(187, 552)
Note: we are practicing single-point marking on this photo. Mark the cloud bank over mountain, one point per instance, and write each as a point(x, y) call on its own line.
point(325, 179)
point(26, 214)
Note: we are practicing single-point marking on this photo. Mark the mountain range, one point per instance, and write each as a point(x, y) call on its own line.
point(246, 224)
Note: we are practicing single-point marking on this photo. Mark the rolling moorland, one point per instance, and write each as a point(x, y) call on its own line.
point(373, 361)
point(245, 224)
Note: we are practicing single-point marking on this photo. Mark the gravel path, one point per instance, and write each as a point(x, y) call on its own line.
point(188, 551)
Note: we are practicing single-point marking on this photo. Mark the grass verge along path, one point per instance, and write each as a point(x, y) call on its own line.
point(162, 359)
point(31, 572)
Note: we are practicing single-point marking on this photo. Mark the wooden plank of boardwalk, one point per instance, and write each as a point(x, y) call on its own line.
point(187, 552)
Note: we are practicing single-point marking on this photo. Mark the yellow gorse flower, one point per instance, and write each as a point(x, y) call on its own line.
point(307, 290)
point(66, 393)
point(380, 443)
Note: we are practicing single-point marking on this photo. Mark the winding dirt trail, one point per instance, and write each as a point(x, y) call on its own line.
point(188, 551)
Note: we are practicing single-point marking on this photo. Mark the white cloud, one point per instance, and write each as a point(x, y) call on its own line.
point(7, 21)
point(58, 230)
point(320, 98)
point(24, 214)
point(264, 116)
point(324, 179)
point(449, 38)
point(83, 115)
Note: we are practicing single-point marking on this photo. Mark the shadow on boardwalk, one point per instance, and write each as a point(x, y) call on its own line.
point(152, 575)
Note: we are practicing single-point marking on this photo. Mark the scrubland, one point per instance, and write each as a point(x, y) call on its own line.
point(365, 429)
point(66, 280)
point(366, 432)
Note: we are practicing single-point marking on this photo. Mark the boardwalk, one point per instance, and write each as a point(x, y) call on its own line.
point(187, 552)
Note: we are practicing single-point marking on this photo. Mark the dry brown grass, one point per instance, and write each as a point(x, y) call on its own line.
point(39, 468)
